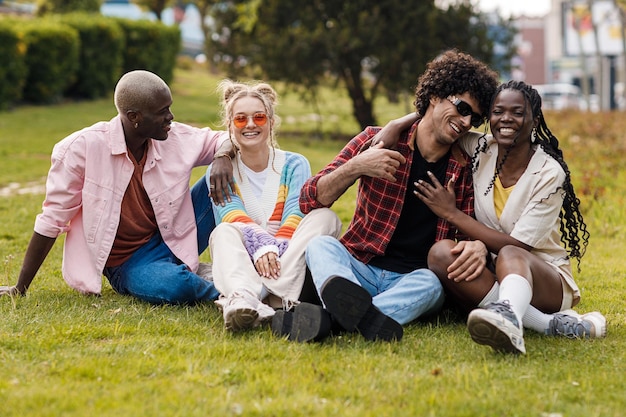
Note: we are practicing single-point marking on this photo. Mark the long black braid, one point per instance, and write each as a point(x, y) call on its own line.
point(574, 234)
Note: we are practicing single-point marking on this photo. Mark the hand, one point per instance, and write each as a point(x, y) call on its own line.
point(387, 136)
point(378, 162)
point(390, 133)
point(268, 265)
point(221, 180)
point(442, 201)
point(10, 291)
point(470, 262)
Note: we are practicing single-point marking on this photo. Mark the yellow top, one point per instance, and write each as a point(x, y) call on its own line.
point(500, 195)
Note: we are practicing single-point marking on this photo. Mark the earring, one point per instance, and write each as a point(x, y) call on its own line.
point(533, 135)
point(136, 125)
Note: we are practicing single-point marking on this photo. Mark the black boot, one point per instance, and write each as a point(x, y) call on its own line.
point(351, 306)
point(305, 323)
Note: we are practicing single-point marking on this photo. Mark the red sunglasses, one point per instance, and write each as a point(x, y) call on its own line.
point(241, 120)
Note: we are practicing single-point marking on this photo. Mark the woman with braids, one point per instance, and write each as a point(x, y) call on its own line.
point(528, 217)
point(258, 244)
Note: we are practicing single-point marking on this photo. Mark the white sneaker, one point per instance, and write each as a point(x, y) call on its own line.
point(239, 310)
point(205, 271)
point(265, 313)
point(497, 326)
point(570, 324)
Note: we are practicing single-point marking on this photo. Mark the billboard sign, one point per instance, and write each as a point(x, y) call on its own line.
point(578, 19)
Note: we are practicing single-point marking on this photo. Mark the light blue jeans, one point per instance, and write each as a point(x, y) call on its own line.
point(155, 275)
point(403, 297)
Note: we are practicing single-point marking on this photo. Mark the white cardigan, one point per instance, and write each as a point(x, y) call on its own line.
point(531, 214)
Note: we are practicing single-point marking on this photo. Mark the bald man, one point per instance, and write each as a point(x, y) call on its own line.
point(120, 191)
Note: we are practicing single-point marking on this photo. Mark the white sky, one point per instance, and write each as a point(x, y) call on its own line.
point(516, 7)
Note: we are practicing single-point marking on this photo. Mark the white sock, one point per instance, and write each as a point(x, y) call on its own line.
point(536, 320)
point(517, 290)
point(491, 296)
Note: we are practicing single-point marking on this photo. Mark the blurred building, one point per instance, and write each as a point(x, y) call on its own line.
point(16, 8)
point(561, 48)
point(530, 64)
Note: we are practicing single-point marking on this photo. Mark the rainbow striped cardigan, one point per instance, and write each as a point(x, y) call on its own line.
point(267, 224)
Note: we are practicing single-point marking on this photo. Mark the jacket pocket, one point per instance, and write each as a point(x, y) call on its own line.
point(180, 208)
point(95, 202)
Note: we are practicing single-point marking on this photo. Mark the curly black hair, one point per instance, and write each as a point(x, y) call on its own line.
point(455, 72)
point(574, 234)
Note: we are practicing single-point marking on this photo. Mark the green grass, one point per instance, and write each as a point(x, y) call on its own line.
point(64, 354)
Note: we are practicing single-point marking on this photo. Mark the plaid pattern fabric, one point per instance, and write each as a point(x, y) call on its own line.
point(379, 202)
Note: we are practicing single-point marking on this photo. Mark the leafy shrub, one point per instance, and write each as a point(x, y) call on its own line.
point(52, 59)
point(79, 55)
point(151, 46)
point(100, 57)
point(13, 68)
point(46, 7)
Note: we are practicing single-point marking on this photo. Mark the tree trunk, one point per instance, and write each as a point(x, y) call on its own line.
point(362, 107)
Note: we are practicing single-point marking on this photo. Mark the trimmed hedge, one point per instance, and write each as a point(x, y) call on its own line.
point(13, 69)
point(83, 55)
point(151, 46)
point(47, 7)
point(101, 53)
point(52, 59)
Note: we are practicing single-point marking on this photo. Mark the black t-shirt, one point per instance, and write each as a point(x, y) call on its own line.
point(417, 226)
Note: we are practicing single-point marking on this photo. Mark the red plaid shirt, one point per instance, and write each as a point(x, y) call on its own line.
point(379, 202)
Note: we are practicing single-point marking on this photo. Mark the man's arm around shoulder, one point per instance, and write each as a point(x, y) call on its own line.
point(351, 164)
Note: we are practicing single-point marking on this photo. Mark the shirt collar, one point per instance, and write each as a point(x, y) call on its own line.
point(118, 140)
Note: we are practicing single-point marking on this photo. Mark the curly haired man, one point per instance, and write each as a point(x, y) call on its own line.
point(374, 279)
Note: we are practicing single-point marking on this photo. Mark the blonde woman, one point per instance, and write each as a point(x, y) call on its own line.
point(258, 245)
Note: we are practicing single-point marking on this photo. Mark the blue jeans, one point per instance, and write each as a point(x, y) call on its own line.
point(403, 297)
point(155, 275)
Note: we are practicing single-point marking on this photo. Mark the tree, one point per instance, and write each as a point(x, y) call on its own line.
point(369, 46)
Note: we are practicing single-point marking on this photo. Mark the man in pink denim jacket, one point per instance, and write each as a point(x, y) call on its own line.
point(120, 191)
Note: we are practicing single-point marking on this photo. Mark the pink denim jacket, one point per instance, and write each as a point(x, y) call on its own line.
point(87, 181)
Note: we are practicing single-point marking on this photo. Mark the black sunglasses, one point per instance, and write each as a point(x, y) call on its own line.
point(465, 109)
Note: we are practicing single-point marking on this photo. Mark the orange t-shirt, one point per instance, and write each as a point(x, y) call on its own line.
point(137, 220)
